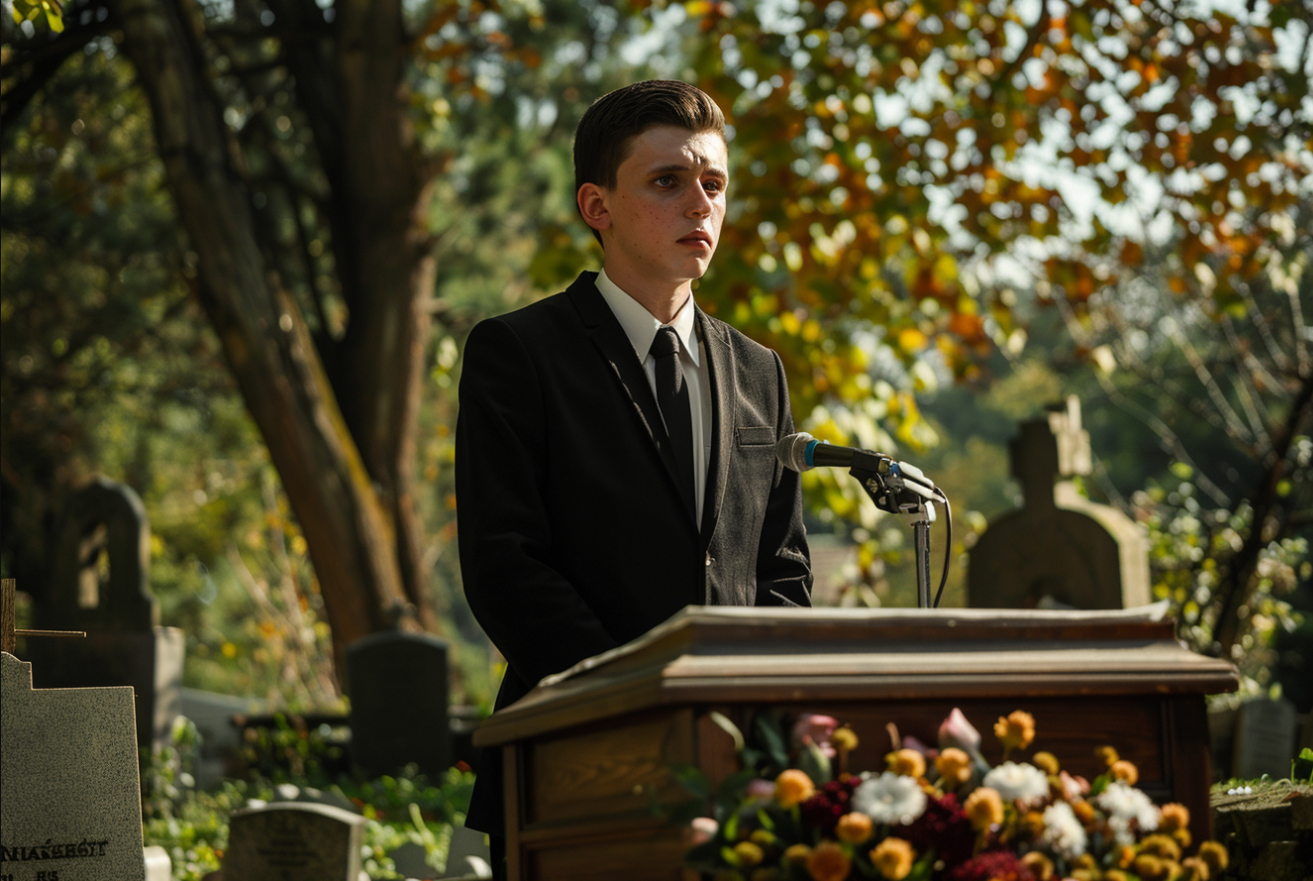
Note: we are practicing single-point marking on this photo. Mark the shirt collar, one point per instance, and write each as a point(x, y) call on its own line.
point(641, 325)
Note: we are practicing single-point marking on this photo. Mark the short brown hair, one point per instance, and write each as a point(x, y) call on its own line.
point(602, 140)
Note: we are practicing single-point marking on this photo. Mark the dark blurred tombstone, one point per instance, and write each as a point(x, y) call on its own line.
point(1265, 734)
point(398, 688)
point(99, 584)
point(293, 841)
point(1060, 550)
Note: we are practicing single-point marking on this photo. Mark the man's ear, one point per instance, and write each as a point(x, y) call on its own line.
point(593, 204)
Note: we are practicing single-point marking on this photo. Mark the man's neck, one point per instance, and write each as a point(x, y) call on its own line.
point(656, 297)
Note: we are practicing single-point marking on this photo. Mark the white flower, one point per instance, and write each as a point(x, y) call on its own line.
point(1125, 805)
point(890, 798)
point(1018, 782)
point(1063, 831)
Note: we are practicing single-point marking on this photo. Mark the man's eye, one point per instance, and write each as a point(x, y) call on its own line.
point(664, 180)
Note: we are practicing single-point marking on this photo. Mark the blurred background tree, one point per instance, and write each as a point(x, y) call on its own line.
point(944, 216)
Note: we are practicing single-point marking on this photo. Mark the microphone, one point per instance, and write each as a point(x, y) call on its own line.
point(802, 452)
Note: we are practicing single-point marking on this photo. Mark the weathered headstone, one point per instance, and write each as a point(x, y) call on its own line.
point(293, 841)
point(1059, 550)
point(399, 690)
point(1264, 739)
point(220, 753)
point(71, 804)
point(158, 865)
point(99, 583)
point(411, 861)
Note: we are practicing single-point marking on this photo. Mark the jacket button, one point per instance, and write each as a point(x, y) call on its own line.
point(708, 561)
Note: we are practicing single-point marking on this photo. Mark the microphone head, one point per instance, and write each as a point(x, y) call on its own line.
point(791, 451)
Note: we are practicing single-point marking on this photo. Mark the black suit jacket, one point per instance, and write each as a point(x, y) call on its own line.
point(573, 536)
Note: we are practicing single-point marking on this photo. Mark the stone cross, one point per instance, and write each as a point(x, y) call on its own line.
point(8, 633)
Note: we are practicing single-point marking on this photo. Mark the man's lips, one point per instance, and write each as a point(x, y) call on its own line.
point(697, 238)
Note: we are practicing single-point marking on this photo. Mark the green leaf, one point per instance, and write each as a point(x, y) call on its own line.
point(815, 764)
point(1301, 768)
point(729, 728)
point(768, 733)
point(693, 780)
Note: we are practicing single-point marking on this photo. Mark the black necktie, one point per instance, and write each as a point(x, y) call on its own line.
point(672, 398)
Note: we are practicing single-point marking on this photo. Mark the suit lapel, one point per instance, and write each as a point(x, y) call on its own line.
point(720, 364)
point(608, 336)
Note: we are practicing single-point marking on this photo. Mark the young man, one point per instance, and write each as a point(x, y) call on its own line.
point(604, 483)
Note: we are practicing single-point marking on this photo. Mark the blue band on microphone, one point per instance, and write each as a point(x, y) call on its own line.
point(811, 445)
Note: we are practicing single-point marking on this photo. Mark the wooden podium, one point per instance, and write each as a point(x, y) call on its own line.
point(588, 750)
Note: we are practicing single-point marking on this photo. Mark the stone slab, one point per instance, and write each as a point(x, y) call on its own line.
point(71, 805)
point(293, 841)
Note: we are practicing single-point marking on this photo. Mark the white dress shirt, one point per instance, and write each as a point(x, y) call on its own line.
point(641, 327)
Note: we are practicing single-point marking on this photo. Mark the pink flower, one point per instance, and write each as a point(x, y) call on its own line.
point(1073, 788)
point(760, 790)
point(816, 729)
point(704, 829)
point(958, 732)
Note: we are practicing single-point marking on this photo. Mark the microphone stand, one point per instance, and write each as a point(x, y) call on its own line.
point(893, 488)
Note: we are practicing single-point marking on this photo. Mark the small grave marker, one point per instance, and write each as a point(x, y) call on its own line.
point(293, 841)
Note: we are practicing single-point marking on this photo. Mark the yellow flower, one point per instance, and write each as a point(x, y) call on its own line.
point(853, 828)
point(1174, 816)
point(828, 862)
point(907, 762)
point(1214, 855)
point(1161, 846)
point(1040, 865)
point(843, 739)
point(1181, 837)
point(954, 767)
point(792, 787)
point(1046, 762)
point(748, 854)
point(1150, 867)
point(893, 858)
point(1124, 771)
point(796, 854)
point(1016, 730)
point(1033, 823)
point(1106, 754)
point(984, 808)
point(1194, 869)
point(1116, 875)
point(765, 873)
point(763, 837)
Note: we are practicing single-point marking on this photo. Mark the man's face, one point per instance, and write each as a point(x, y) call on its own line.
point(661, 222)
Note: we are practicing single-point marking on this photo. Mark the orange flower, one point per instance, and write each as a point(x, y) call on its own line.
point(828, 862)
point(1161, 846)
point(792, 787)
point(853, 828)
point(1174, 816)
point(954, 767)
point(1040, 865)
point(984, 808)
point(907, 762)
point(1015, 730)
point(893, 858)
point(1124, 771)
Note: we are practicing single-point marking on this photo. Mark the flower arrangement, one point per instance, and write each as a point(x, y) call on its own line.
point(795, 813)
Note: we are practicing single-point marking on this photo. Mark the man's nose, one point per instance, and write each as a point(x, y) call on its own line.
point(700, 202)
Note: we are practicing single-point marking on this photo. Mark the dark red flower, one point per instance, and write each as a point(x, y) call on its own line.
point(823, 810)
point(945, 828)
point(992, 865)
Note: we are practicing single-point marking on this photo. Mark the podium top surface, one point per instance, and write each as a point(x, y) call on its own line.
point(706, 654)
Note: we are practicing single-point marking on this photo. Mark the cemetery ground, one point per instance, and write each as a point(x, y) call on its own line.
point(408, 817)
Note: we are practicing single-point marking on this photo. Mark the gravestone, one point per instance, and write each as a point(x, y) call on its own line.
point(293, 841)
point(410, 861)
point(398, 683)
point(99, 583)
point(158, 865)
point(1059, 550)
point(71, 805)
point(213, 715)
point(1264, 739)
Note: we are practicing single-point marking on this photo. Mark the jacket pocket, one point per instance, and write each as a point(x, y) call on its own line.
point(755, 436)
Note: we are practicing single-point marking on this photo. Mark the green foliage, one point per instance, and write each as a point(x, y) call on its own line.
point(192, 825)
point(1301, 767)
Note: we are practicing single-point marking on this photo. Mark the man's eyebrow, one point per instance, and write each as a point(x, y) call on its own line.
point(667, 169)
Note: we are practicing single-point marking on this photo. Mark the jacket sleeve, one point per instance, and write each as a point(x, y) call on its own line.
point(784, 576)
point(534, 616)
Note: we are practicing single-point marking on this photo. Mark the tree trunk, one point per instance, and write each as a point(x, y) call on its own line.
point(344, 460)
